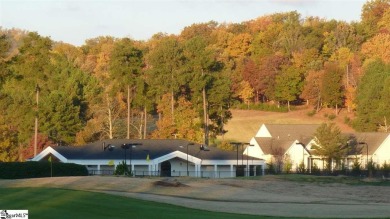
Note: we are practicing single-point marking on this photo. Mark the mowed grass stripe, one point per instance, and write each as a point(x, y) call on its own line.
point(61, 203)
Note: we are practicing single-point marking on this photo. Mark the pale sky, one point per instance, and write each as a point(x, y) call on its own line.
point(74, 21)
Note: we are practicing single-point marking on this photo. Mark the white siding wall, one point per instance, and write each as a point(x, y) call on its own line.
point(297, 154)
point(255, 150)
point(179, 167)
point(382, 155)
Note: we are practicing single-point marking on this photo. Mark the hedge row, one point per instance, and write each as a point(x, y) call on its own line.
point(262, 107)
point(20, 170)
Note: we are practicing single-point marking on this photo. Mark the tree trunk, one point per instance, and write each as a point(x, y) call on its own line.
point(172, 99)
point(36, 121)
point(146, 116)
point(128, 112)
point(318, 104)
point(110, 123)
point(172, 108)
point(205, 114)
point(288, 105)
point(141, 125)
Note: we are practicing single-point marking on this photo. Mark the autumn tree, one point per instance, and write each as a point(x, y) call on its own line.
point(269, 67)
point(312, 89)
point(9, 150)
point(343, 35)
point(332, 91)
point(186, 123)
point(5, 46)
point(288, 84)
point(344, 57)
point(246, 93)
point(165, 125)
point(372, 13)
point(377, 47)
point(250, 73)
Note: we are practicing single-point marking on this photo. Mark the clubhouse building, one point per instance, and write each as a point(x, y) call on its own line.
point(157, 157)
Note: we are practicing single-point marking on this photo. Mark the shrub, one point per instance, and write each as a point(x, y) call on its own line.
point(356, 168)
point(33, 169)
point(122, 169)
point(347, 120)
point(301, 168)
point(331, 116)
point(315, 169)
point(262, 107)
point(372, 168)
point(287, 165)
point(386, 169)
point(311, 113)
point(225, 145)
point(271, 167)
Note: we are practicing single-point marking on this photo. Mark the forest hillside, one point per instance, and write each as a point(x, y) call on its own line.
point(188, 85)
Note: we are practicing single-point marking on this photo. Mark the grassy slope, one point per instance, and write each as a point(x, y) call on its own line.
point(245, 123)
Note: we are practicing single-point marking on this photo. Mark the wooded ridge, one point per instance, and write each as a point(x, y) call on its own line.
point(183, 86)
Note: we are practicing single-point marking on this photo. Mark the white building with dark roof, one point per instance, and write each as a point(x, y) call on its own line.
point(167, 157)
point(281, 143)
point(278, 142)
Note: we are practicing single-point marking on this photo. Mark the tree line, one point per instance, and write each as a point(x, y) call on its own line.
point(184, 85)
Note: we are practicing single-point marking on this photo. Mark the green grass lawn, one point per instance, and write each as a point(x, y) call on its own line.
point(44, 203)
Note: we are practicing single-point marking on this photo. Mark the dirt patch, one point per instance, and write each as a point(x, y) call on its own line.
point(169, 183)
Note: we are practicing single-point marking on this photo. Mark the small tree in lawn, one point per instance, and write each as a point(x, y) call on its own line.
point(329, 143)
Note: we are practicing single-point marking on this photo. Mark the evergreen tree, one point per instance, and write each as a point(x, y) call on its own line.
point(371, 97)
point(329, 143)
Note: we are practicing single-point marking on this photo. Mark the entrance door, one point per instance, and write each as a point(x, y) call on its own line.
point(166, 168)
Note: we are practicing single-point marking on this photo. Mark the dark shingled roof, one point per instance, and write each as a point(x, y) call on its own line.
point(301, 132)
point(155, 148)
